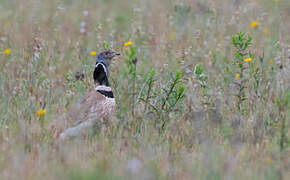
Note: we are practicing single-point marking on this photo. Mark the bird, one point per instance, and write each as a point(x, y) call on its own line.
point(95, 107)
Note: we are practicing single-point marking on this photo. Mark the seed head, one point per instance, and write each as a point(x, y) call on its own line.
point(134, 61)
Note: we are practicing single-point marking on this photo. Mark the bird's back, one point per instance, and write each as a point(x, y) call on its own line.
point(96, 105)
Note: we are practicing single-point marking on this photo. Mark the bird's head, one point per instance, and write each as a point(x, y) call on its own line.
point(101, 72)
point(107, 55)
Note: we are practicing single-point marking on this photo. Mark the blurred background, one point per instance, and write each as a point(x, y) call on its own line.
point(172, 122)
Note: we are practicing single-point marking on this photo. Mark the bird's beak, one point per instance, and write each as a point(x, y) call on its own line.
point(114, 54)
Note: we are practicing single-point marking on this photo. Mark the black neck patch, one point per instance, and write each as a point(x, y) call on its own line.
point(100, 74)
point(108, 94)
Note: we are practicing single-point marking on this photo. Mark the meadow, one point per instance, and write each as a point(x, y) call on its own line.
point(202, 88)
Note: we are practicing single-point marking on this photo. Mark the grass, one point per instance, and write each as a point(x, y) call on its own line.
point(181, 113)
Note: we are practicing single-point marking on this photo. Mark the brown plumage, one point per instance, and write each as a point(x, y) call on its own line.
point(93, 105)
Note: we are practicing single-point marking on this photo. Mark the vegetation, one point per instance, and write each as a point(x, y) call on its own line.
point(202, 88)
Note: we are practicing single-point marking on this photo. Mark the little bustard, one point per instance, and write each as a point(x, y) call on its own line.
point(96, 106)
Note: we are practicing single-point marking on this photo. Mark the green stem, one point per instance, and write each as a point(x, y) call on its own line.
point(283, 126)
point(133, 93)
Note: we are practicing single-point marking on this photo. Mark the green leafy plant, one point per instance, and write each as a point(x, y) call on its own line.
point(283, 108)
point(169, 97)
point(162, 101)
point(173, 93)
point(131, 65)
point(147, 93)
point(201, 78)
point(243, 56)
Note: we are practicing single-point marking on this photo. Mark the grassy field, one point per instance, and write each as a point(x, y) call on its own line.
point(208, 98)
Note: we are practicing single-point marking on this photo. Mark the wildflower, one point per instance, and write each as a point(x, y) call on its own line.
point(41, 112)
point(238, 76)
point(271, 62)
point(36, 55)
point(83, 24)
point(248, 59)
point(82, 30)
point(3, 39)
point(85, 13)
point(7, 51)
point(93, 53)
point(254, 24)
point(276, 0)
point(129, 43)
point(268, 159)
point(134, 61)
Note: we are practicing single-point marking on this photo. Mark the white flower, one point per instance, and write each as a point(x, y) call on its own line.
point(83, 23)
point(36, 55)
point(3, 39)
point(82, 30)
point(85, 13)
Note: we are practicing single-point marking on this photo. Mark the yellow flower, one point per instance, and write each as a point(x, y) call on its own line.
point(276, 0)
point(41, 112)
point(129, 43)
point(7, 51)
point(248, 59)
point(254, 24)
point(271, 62)
point(268, 159)
point(238, 76)
point(93, 53)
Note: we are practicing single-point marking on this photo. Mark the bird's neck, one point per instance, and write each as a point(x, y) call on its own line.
point(105, 90)
point(101, 74)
